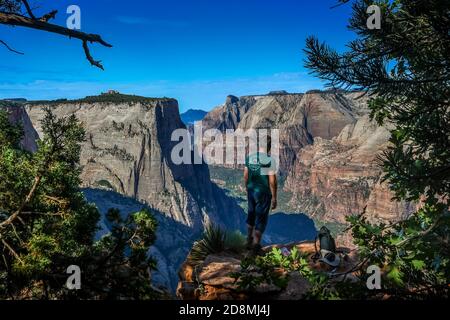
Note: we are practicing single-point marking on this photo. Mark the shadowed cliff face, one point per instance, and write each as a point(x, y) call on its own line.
point(128, 152)
point(17, 114)
point(128, 149)
point(173, 239)
point(288, 228)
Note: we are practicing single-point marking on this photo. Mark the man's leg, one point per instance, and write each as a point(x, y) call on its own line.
point(250, 236)
point(257, 237)
point(251, 217)
point(262, 210)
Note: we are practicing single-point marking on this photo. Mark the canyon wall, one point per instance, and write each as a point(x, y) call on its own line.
point(128, 149)
point(126, 164)
point(299, 117)
point(335, 178)
point(18, 115)
point(328, 151)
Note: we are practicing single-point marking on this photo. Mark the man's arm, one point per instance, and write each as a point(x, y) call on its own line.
point(273, 189)
point(245, 178)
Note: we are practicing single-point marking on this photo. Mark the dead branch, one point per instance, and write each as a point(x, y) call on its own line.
point(9, 48)
point(89, 56)
point(48, 16)
point(11, 250)
point(420, 234)
point(14, 19)
point(29, 11)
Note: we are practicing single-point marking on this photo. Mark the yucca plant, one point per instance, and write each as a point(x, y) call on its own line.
point(216, 240)
point(213, 241)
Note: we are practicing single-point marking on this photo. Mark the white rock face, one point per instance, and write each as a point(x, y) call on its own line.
point(128, 148)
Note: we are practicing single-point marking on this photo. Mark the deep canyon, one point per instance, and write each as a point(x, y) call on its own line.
point(328, 164)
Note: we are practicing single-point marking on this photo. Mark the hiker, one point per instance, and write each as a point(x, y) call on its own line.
point(261, 184)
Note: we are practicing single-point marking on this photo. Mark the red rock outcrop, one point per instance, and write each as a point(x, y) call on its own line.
point(333, 179)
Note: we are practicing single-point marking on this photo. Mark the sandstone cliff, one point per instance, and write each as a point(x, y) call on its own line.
point(339, 177)
point(128, 149)
point(299, 117)
point(328, 151)
point(127, 165)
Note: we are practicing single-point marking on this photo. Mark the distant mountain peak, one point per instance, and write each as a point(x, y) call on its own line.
point(192, 115)
point(232, 99)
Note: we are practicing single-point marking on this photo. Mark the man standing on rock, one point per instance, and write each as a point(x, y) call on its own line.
point(261, 185)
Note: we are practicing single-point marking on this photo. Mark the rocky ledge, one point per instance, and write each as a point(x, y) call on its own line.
point(213, 279)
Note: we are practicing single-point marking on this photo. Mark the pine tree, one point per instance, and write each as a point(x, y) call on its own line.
point(405, 68)
point(46, 225)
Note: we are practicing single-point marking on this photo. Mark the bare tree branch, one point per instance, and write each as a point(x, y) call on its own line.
point(14, 19)
point(48, 16)
point(27, 200)
point(6, 244)
point(30, 12)
point(340, 3)
point(9, 48)
point(89, 56)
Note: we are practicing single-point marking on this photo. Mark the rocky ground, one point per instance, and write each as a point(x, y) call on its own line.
point(212, 279)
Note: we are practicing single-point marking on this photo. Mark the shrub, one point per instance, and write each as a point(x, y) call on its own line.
point(213, 241)
point(275, 267)
point(216, 240)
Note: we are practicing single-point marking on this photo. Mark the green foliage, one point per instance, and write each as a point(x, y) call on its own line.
point(405, 68)
point(10, 136)
point(213, 241)
point(216, 240)
point(275, 268)
point(413, 252)
point(46, 225)
point(10, 5)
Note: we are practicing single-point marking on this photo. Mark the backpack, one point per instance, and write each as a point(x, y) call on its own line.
point(327, 252)
point(326, 240)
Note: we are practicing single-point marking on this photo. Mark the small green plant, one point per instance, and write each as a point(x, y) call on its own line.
point(216, 240)
point(258, 270)
point(213, 241)
point(275, 267)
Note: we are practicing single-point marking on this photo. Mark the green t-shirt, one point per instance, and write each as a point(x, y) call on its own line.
point(258, 180)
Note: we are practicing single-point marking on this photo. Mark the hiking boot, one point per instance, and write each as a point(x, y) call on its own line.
point(257, 250)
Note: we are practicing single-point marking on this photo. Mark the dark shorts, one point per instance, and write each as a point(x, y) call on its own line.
point(258, 209)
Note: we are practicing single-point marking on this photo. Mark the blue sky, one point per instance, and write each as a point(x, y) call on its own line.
point(197, 51)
